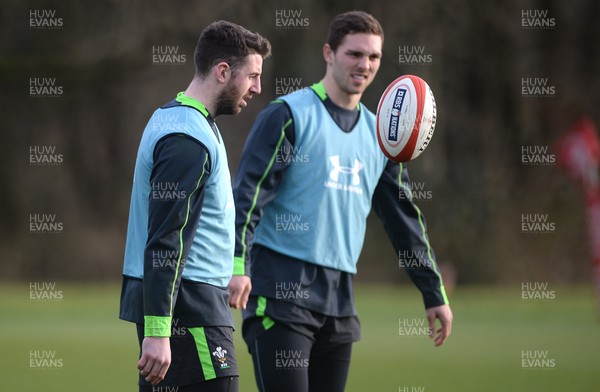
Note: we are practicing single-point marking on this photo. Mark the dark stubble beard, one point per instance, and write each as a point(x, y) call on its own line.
point(228, 101)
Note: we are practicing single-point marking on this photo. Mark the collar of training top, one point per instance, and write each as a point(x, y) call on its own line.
point(189, 101)
point(319, 89)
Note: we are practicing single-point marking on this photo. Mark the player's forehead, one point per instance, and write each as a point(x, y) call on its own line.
point(366, 43)
point(252, 64)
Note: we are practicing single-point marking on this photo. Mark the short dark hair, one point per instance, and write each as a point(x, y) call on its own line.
point(228, 42)
point(351, 23)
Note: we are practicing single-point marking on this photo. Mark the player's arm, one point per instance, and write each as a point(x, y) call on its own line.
point(406, 227)
point(177, 182)
point(265, 157)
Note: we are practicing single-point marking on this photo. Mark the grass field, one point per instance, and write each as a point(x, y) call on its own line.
point(94, 351)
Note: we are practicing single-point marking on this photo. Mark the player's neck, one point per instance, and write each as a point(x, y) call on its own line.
point(339, 96)
point(201, 90)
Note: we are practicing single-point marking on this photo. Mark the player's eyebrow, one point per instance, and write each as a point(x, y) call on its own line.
point(354, 52)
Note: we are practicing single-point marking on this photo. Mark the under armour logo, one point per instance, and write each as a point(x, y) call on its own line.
point(337, 169)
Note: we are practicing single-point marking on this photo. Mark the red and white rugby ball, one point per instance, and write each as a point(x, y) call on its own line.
point(405, 118)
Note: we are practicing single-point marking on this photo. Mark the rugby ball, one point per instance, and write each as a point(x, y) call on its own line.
point(405, 118)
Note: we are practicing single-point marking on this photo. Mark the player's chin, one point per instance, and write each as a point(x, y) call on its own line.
point(359, 87)
point(236, 109)
point(241, 105)
point(352, 90)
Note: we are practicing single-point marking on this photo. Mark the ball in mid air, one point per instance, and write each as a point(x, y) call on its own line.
point(405, 120)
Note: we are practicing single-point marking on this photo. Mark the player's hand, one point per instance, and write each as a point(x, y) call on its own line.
point(444, 314)
point(155, 359)
point(239, 289)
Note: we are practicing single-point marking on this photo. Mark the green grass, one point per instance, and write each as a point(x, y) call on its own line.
point(491, 329)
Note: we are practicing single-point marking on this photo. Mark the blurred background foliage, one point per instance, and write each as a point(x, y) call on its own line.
point(102, 57)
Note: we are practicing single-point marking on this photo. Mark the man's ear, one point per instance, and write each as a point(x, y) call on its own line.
point(328, 54)
point(222, 72)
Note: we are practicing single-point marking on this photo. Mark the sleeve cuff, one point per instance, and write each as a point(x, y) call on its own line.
point(435, 298)
point(157, 326)
point(238, 266)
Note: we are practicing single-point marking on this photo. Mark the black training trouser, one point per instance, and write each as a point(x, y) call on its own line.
point(285, 360)
point(221, 384)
